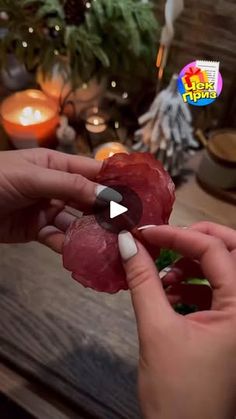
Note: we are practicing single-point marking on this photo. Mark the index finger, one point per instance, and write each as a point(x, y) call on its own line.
point(228, 235)
point(216, 261)
point(56, 160)
point(85, 166)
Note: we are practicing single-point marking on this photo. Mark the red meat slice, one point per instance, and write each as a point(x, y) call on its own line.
point(146, 176)
point(90, 252)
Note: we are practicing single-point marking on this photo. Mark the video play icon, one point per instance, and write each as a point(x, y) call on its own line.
point(124, 213)
point(116, 209)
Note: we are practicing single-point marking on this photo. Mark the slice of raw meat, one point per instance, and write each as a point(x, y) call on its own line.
point(147, 177)
point(91, 252)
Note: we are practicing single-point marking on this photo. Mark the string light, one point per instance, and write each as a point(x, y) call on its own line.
point(125, 95)
point(57, 28)
point(56, 52)
point(31, 30)
point(4, 16)
point(113, 84)
point(117, 125)
point(88, 5)
point(24, 44)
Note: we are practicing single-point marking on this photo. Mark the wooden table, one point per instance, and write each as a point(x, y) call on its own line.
point(68, 352)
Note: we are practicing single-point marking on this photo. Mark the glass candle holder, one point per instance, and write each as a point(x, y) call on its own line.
point(29, 118)
point(109, 149)
point(96, 124)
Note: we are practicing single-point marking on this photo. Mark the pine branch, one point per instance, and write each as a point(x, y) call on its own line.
point(98, 10)
point(115, 37)
point(109, 8)
point(47, 7)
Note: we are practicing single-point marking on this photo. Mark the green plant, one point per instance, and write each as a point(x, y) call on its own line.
point(97, 38)
point(167, 258)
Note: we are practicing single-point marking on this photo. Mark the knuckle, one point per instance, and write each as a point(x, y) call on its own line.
point(215, 243)
point(43, 152)
point(202, 225)
point(79, 183)
point(42, 157)
point(233, 254)
point(138, 274)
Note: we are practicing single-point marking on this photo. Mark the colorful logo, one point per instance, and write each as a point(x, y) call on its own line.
point(200, 82)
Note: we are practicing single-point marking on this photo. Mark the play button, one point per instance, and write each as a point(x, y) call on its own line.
point(116, 209)
point(115, 216)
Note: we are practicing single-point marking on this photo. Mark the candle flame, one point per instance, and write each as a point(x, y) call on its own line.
point(30, 116)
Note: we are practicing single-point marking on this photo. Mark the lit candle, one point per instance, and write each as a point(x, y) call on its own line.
point(109, 149)
point(30, 118)
point(95, 124)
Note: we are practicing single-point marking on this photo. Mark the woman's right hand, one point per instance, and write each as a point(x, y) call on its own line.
point(187, 366)
point(173, 276)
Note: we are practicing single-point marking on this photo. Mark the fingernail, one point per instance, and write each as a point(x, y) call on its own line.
point(146, 227)
point(165, 271)
point(107, 194)
point(127, 245)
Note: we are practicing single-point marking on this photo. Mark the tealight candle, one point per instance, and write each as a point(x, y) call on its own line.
point(30, 118)
point(109, 149)
point(95, 124)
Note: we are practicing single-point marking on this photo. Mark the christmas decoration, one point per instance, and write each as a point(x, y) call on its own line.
point(166, 129)
point(173, 9)
point(15, 76)
point(3, 18)
point(97, 37)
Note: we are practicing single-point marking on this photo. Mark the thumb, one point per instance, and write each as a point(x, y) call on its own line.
point(149, 300)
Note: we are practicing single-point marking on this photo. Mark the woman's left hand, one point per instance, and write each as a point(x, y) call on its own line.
point(35, 186)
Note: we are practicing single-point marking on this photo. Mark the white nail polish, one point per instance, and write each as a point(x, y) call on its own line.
point(164, 272)
point(127, 245)
point(167, 269)
point(146, 227)
point(107, 194)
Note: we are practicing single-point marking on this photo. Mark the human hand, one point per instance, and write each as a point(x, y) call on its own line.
point(187, 364)
point(174, 277)
point(35, 186)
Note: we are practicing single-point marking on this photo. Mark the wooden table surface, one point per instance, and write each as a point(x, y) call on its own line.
point(79, 346)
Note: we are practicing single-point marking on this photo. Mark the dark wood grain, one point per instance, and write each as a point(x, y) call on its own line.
point(81, 343)
point(32, 400)
point(9, 410)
